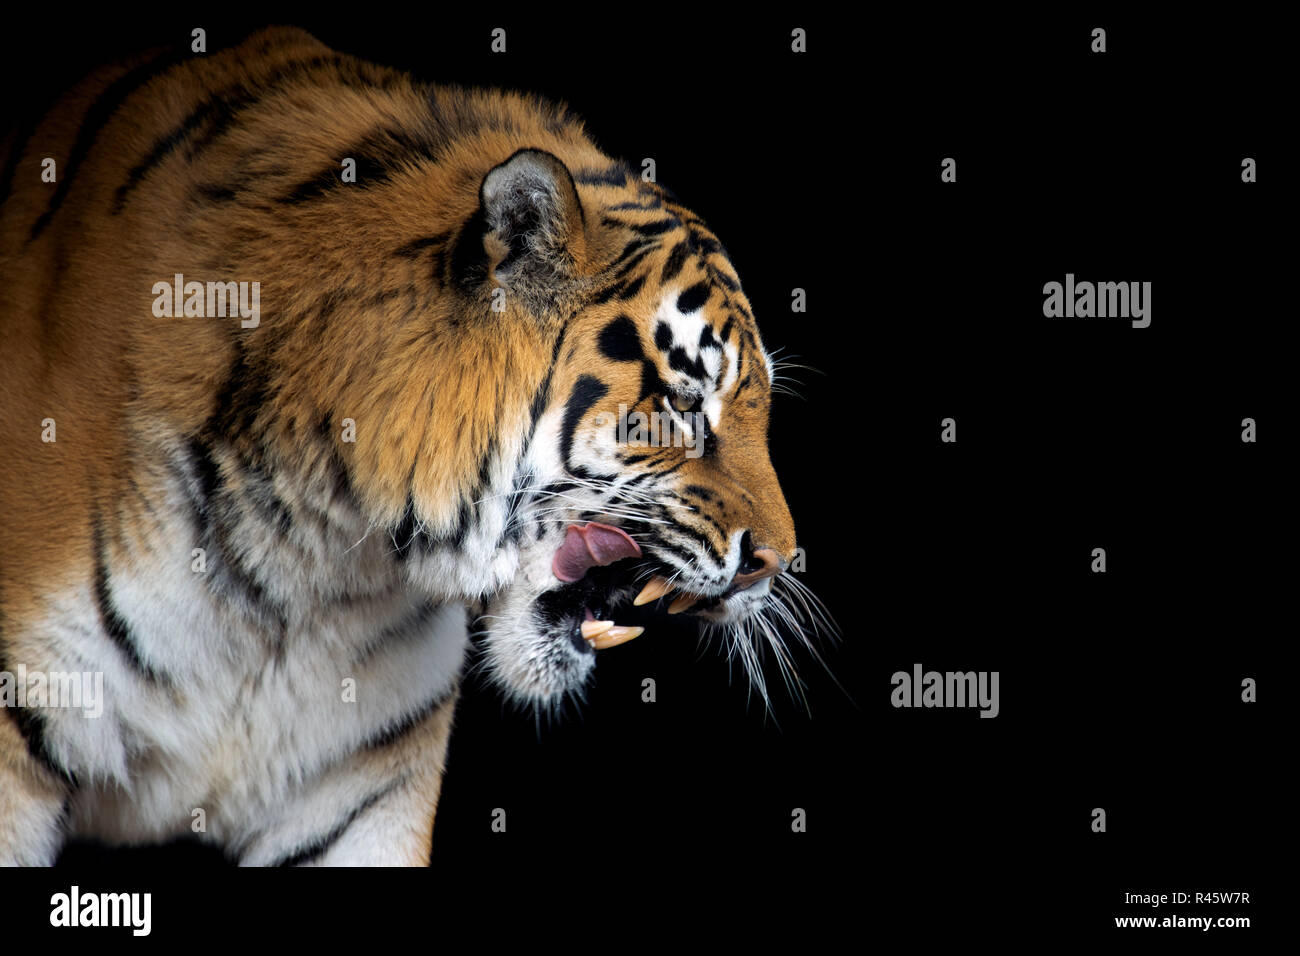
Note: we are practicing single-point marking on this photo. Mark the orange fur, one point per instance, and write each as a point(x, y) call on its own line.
point(353, 326)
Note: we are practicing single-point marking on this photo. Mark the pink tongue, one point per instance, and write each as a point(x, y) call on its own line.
point(588, 545)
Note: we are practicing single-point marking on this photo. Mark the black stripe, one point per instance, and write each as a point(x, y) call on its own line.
point(616, 175)
point(633, 246)
point(607, 293)
point(162, 148)
point(381, 156)
point(216, 511)
point(112, 622)
point(693, 298)
point(746, 339)
point(229, 103)
point(651, 383)
point(620, 341)
point(216, 192)
point(633, 262)
point(663, 337)
point(247, 394)
point(678, 362)
point(25, 129)
point(680, 551)
point(512, 527)
point(671, 468)
point(731, 284)
point(408, 536)
point(543, 393)
point(705, 516)
point(520, 496)
point(404, 725)
point(676, 259)
point(221, 110)
point(587, 391)
point(630, 290)
point(97, 117)
point(320, 846)
point(698, 535)
point(369, 173)
point(234, 425)
point(656, 228)
point(557, 115)
point(469, 265)
point(706, 245)
point(141, 496)
point(556, 488)
point(467, 516)
point(30, 723)
point(412, 249)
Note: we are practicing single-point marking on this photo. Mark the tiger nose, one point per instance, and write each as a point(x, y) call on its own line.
point(760, 564)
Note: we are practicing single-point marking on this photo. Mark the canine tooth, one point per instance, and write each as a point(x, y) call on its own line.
point(616, 635)
point(657, 587)
point(683, 601)
point(592, 629)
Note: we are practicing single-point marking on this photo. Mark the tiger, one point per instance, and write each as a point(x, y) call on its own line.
point(280, 516)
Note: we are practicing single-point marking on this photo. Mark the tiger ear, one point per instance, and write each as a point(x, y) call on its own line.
point(536, 240)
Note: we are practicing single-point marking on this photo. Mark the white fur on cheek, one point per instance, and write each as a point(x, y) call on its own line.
point(536, 666)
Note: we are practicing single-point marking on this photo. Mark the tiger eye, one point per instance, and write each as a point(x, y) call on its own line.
point(683, 403)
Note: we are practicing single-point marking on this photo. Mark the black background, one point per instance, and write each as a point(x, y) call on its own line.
point(1121, 691)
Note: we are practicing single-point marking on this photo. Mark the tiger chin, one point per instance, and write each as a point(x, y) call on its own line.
point(275, 540)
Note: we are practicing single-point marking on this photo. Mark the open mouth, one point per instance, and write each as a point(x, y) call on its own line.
point(601, 566)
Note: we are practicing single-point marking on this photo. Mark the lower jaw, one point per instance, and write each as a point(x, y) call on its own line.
point(592, 597)
point(580, 643)
point(713, 613)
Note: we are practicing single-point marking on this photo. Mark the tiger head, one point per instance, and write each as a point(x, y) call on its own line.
point(647, 478)
point(561, 402)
